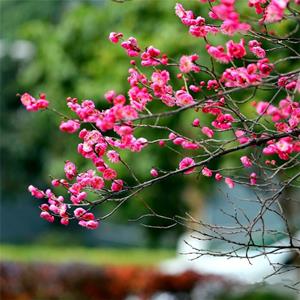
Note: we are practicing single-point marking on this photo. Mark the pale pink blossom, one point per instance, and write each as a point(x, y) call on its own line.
point(70, 170)
point(206, 172)
point(113, 156)
point(246, 161)
point(274, 12)
point(186, 64)
point(218, 53)
point(183, 98)
point(253, 178)
point(207, 131)
point(229, 182)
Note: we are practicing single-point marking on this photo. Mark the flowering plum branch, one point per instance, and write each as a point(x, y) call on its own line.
point(264, 132)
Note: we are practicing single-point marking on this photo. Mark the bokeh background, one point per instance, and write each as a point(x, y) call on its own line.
point(60, 47)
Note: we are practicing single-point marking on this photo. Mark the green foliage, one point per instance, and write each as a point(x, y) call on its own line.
point(95, 256)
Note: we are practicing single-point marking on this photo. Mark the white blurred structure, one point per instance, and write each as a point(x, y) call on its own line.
point(256, 269)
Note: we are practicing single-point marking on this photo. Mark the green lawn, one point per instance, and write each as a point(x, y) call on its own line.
point(100, 256)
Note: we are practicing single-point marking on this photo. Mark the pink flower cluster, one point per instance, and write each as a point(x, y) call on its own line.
point(274, 12)
point(225, 12)
point(284, 147)
point(223, 121)
point(286, 116)
point(289, 83)
point(151, 57)
point(253, 74)
point(131, 47)
point(188, 165)
point(57, 208)
point(109, 131)
point(186, 63)
point(161, 88)
point(183, 142)
point(32, 104)
point(197, 26)
point(234, 50)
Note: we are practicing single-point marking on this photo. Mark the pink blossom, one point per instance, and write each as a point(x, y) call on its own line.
point(256, 49)
point(161, 143)
point(114, 37)
point(109, 174)
point(150, 57)
point(70, 126)
point(264, 67)
point(243, 77)
point(186, 63)
point(185, 163)
point(46, 216)
point(92, 224)
point(196, 123)
point(97, 182)
point(240, 134)
point(246, 161)
point(218, 53)
point(258, 4)
point(178, 140)
point(117, 185)
point(236, 50)
point(274, 12)
point(189, 145)
point(183, 98)
point(113, 156)
point(207, 131)
point(110, 95)
point(55, 182)
point(172, 136)
point(131, 47)
point(206, 172)
point(261, 107)
point(230, 27)
point(253, 178)
point(212, 84)
point(32, 104)
point(35, 192)
point(218, 176)
point(229, 182)
point(223, 121)
point(64, 221)
point(79, 212)
point(139, 97)
point(153, 172)
point(194, 88)
point(70, 170)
